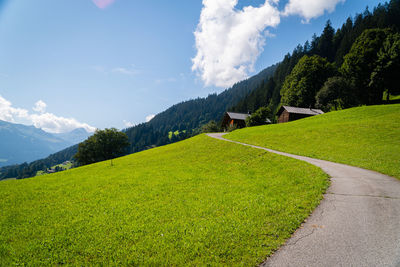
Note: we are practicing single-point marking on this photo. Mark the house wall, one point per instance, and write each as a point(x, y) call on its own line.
point(284, 117)
point(238, 123)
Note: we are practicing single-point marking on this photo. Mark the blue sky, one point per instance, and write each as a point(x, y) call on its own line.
point(77, 63)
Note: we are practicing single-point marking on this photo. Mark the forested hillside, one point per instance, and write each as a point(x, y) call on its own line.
point(187, 117)
point(332, 46)
point(26, 170)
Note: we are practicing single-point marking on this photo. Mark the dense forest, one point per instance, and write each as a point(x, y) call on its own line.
point(334, 62)
point(337, 69)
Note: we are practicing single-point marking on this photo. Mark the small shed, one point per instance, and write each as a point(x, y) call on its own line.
point(287, 113)
point(232, 118)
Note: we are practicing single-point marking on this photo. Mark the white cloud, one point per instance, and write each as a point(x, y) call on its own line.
point(47, 121)
point(128, 124)
point(40, 106)
point(9, 113)
point(309, 9)
point(150, 117)
point(55, 124)
point(229, 41)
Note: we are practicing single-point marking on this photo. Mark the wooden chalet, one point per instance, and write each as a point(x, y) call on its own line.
point(232, 118)
point(287, 113)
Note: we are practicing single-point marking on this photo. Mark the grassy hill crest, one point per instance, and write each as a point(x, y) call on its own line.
point(367, 137)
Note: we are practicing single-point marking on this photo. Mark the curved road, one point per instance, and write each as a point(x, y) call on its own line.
point(356, 224)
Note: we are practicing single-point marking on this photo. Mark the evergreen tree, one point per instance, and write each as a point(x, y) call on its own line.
point(325, 43)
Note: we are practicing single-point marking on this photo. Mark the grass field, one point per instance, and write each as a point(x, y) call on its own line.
point(66, 166)
point(367, 137)
point(197, 202)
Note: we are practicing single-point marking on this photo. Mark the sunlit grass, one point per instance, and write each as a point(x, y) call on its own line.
point(367, 137)
point(197, 202)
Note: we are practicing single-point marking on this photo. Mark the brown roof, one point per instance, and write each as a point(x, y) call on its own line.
point(296, 110)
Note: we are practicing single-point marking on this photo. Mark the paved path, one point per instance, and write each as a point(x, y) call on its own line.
point(356, 224)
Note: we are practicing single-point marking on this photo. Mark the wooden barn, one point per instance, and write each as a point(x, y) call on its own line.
point(287, 113)
point(232, 118)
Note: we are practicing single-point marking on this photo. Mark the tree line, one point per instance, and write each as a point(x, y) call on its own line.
point(353, 65)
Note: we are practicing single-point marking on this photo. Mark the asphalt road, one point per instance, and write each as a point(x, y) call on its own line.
point(356, 224)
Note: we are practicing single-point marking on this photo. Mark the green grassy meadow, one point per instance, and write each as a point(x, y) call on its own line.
point(197, 202)
point(66, 166)
point(367, 137)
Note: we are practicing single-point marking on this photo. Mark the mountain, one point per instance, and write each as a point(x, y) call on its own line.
point(75, 136)
point(187, 117)
point(26, 170)
point(20, 143)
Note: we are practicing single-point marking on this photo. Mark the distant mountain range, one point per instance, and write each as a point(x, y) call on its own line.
point(20, 143)
point(74, 137)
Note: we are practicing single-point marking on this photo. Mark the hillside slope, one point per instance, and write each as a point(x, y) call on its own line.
point(196, 202)
point(367, 137)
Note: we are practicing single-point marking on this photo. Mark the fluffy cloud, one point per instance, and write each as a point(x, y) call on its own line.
point(9, 113)
point(47, 121)
point(228, 41)
point(40, 106)
point(103, 3)
point(309, 9)
point(150, 117)
point(55, 124)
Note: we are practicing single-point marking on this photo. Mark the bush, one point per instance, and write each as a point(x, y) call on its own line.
point(260, 117)
point(337, 93)
point(210, 127)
